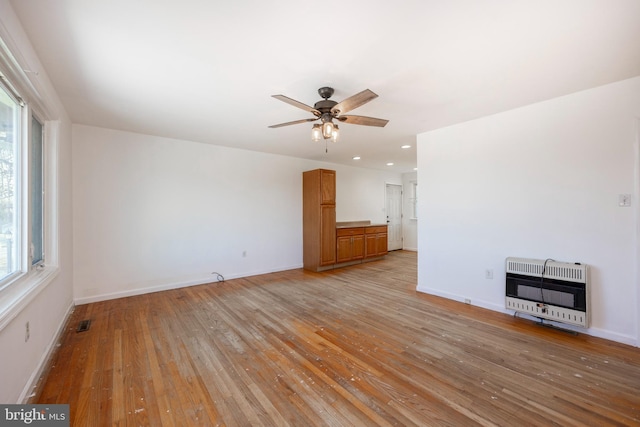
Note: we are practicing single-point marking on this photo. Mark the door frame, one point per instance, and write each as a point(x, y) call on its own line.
point(635, 203)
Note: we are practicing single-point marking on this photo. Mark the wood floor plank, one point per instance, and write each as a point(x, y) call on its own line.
point(357, 346)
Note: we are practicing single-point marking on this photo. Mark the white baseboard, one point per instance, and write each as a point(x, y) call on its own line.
point(172, 285)
point(32, 383)
point(478, 303)
point(594, 332)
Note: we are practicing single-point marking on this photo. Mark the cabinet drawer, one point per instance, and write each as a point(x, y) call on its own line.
point(349, 231)
point(376, 229)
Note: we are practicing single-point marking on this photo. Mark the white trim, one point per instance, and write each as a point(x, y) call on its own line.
point(14, 70)
point(17, 296)
point(594, 332)
point(209, 279)
point(51, 192)
point(635, 203)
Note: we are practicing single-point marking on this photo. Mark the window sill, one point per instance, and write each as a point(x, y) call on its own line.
point(17, 295)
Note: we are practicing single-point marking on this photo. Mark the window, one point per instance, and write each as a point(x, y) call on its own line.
point(414, 200)
point(21, 187)
point(36, 192)
point(10, 115)
point(29, 138)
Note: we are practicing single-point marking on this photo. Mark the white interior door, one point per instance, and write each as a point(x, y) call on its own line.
point(394, 216)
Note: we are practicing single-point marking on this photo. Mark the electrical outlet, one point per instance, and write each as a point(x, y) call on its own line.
point(624, 200)
point(27, 332)
point(467, 301)
point(244, 254)
point(488, 274)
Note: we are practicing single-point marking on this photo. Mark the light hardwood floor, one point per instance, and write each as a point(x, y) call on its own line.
point(351, 347)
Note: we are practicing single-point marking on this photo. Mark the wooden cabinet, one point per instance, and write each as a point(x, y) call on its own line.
point(327, 187)
point(349, 244)
point(358, 243)
point(327, 234)
point(375, 241)
point(325, 246)
point(319, 219)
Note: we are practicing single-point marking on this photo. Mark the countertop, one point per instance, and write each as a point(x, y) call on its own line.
point(350, 224)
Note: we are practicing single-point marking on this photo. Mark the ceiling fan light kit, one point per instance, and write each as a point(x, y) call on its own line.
point(327, 129)
point(326, 110)
point(316, 133)
point(335, 133)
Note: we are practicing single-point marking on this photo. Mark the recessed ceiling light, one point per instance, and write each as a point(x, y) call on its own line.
point(406, 146)
point(356, 157)
point(390, 164)
point(415, 169)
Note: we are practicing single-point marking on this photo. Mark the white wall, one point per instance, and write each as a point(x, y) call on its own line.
point(540, 181)
point(47, 309)
point(409, 224)
point(155, 213)
point(360, 193)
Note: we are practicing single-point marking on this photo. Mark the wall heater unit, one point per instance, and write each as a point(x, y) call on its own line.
point(549, 289)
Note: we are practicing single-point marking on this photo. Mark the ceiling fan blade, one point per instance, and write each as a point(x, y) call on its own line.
point(362, 120)
point(353, 102)
point(298, 104)
point(294, 122)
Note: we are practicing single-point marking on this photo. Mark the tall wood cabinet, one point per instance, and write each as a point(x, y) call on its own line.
point(319, 219)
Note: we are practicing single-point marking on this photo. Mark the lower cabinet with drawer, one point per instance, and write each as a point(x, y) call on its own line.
point(358, 244)
point(376, 241)
point(349, 244)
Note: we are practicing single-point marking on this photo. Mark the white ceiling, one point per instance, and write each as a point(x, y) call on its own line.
point(205, 70)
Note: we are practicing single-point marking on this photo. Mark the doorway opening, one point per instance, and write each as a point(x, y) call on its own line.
point(393, 196)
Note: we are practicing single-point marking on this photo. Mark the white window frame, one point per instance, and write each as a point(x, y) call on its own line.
point(42, 262)
point(19, 289)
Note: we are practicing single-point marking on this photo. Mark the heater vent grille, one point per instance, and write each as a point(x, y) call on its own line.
point(557, 314)
point(552, 270)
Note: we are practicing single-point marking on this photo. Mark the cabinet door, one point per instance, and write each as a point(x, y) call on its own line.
point(357, 247)
point(371, 245)
point(382, 243)
point(327, 235)
point(343, 248)
point(328, 187)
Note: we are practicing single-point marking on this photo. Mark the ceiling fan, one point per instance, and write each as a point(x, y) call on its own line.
point(326, 110)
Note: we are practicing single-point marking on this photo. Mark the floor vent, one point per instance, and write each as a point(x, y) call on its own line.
point(83, 326)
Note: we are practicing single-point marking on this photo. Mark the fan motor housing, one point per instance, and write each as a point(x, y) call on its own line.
point(325, 105)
